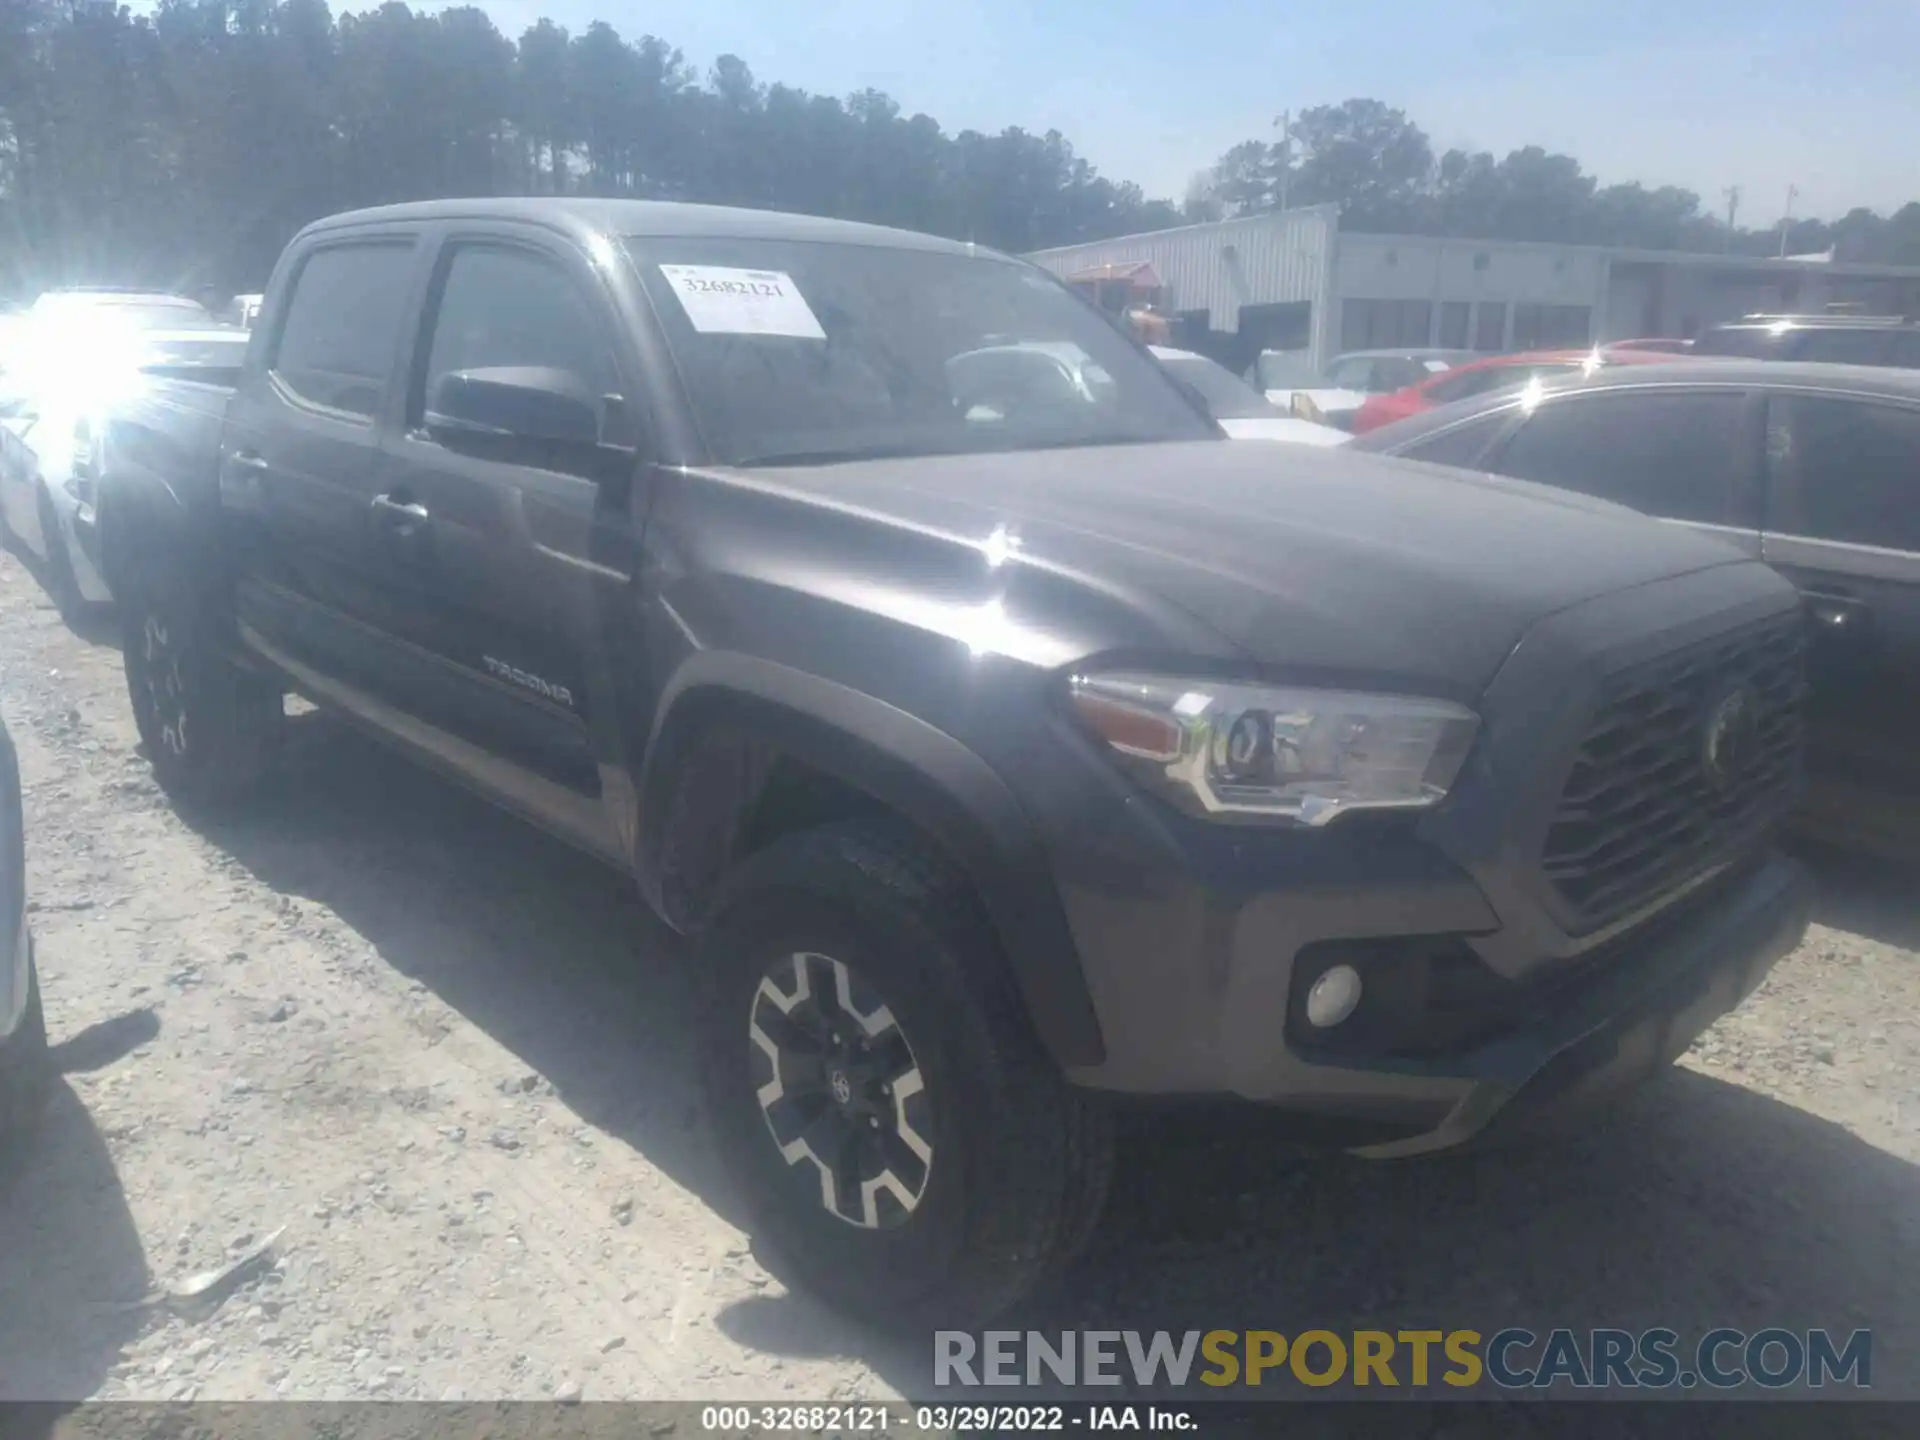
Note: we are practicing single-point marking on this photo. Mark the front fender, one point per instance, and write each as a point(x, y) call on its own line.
point(141, 521)
point(914, 769)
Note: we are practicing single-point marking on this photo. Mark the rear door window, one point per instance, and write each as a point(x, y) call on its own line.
point(1846, 470)
point(1683, 455)
point(339, 341)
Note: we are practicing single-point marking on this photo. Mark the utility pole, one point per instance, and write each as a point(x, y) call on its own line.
point(1786, 220)
point(1285, 125)
point(1732, 192)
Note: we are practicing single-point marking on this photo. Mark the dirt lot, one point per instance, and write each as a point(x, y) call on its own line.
point(449, 1059)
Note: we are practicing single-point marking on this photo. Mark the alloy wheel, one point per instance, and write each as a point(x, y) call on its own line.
point(166, 688)
point(840, 1089)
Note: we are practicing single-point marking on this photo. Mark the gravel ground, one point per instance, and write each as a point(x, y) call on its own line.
point(441, 1064)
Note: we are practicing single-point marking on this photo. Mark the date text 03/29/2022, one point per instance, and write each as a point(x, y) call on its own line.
point(941, 1419)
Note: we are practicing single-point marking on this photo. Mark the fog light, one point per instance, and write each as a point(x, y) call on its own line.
point(1333, 997)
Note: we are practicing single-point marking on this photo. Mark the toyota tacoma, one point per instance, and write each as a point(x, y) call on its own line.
point(1009, 744)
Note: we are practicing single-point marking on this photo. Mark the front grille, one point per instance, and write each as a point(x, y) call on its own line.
point(1641, 812)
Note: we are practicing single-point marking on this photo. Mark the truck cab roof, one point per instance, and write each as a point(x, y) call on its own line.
point(584, 215)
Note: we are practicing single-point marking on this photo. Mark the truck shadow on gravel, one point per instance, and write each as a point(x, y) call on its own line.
point(550, 953)
point(70, 1255)
point(1702, 1204)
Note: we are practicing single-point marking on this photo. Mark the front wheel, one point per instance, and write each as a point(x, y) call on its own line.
point(210, 728)
point(899, 1138)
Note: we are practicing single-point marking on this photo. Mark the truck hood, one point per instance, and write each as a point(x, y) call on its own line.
point(1300, 557)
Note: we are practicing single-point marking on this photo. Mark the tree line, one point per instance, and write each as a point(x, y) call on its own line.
point(182, 147)
point(185, 146)
point(1382, 169)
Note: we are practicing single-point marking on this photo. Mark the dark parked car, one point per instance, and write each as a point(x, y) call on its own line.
point(1004, 751)
point(1814, 468)
point(24, 1067)
point(1830, 339)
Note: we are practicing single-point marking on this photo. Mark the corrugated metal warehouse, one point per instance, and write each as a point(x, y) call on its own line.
point(1293, 281)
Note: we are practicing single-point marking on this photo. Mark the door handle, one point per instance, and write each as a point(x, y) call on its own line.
point(404, 517)
point(246, 467)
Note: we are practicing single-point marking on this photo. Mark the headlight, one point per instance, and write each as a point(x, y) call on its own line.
point(1301, 754)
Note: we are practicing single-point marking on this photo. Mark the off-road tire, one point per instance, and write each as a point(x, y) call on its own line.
point(26, 1072)
point(1021, 1160)
point(226, 722)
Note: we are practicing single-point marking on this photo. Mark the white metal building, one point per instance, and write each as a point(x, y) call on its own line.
point(1292, 281)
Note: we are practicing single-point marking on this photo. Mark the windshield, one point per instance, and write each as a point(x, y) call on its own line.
point(1228, 397)
point(802, 351)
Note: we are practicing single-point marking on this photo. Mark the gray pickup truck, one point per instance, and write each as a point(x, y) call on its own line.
point(1009, 745)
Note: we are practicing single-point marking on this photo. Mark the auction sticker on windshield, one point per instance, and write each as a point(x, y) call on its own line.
point(720, 300)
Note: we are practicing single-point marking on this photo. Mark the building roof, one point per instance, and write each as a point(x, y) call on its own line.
point(1791, 264)
point(583, 215)
point(1243, 222)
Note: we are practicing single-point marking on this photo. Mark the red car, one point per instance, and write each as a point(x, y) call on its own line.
point(1496, 372)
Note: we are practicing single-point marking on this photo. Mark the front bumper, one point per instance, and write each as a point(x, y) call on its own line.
point(1619, 1016)
point(1633, 1019)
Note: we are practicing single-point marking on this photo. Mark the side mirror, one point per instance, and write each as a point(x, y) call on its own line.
point(526, 403)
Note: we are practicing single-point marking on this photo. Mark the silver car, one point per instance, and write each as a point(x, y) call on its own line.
point(1239, 409)
point(24, 1068)
point(52, 420)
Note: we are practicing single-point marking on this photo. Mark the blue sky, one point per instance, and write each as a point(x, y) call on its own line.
point(1703, 93)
